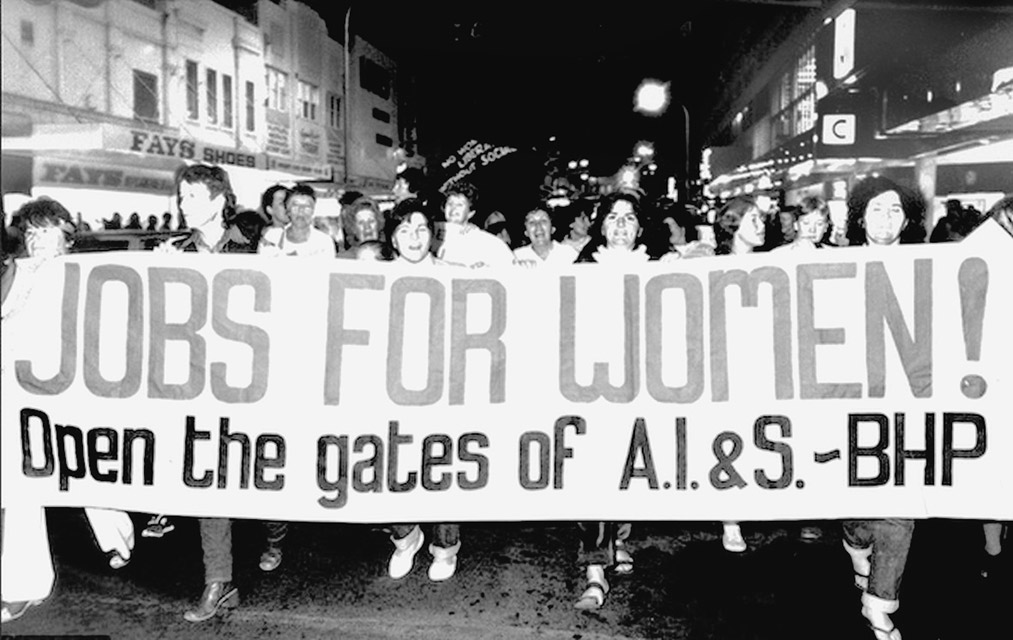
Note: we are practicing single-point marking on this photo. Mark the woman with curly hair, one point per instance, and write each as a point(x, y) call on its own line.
point(881, 213)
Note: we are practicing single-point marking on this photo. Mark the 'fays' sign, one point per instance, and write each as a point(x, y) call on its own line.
point(157, 144)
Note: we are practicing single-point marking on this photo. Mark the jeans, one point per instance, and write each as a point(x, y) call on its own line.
point(597, 541)
point(444, 535)
point(216, 542)
point(890, 540)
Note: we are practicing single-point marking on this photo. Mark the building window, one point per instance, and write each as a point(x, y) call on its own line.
point(145, 96)
point(192, 106)
point(211, 83)
point(381, 115)
point(374, 78)
point(386, 141)
point(27, 33)
point(226, 101)
point(334, 111)
point(277, 90)
point(793, 99)
point(250, 107)
point(309, 100)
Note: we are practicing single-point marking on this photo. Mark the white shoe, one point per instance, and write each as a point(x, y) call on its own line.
point(877, 612)
point(732, 538)
point(861, 564)
point(403, 558)
point(444, 562)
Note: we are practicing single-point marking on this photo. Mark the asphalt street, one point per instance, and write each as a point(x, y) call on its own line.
point(518, 580)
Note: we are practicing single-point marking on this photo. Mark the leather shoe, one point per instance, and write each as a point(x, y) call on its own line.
point(217, 595)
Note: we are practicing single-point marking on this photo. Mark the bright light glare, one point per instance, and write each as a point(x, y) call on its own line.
point(645, 150)
point(652, 96)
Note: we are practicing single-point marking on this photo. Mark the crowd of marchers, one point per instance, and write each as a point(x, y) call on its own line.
point(456, 229)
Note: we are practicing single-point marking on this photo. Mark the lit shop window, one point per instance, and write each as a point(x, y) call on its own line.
point(793, 99)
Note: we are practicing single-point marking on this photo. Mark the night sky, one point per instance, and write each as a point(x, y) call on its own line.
point(516, 74)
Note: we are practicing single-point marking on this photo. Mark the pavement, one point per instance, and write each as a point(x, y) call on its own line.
point(518, 581)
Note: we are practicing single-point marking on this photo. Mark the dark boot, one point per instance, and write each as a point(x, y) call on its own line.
point(217, 595)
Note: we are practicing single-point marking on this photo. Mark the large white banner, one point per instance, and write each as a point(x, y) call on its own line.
point(837, 383)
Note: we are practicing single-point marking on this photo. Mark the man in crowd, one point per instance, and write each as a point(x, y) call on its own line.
point(204, 195)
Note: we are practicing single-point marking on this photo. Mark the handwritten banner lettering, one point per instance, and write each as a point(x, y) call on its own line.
point(843, 383)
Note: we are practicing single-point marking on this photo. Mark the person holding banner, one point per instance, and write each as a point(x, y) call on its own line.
point(204, 195)
point(812, 221)
point(615, 240)
point(542, 248)
point(275, 212)
point(410, 232)
point(739, 228)
point(465, 243)
point(881, 213)
point(27, 564)
point(300, 237)
point(362, 221)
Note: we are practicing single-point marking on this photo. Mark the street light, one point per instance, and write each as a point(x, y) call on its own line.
point(652, 99)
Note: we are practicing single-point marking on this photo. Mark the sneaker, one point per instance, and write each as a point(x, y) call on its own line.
point(444, 562)
point(270, 559)
point(117, 561)
point(158, 526)
point(403, 558)
point(732, 539)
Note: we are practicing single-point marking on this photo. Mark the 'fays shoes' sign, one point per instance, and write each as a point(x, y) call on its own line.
point(164, 145)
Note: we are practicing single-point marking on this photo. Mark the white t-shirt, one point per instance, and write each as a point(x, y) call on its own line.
point(558, 254)
point(474, 247)
point(317, 245)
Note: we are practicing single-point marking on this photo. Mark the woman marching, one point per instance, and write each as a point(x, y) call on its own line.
point(881, 214)
point(615, 240)
point(409, 237)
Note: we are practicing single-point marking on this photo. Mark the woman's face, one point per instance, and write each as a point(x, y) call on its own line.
point(197, 204)
point(45, 241)
point(412, 238)
point(366, 224)
point(277, 209)
point(812, 226)
point(580, 225)
point(751, 229)
point(884, 218)
point(621, 226)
